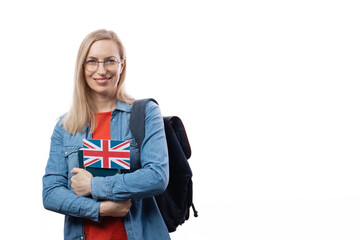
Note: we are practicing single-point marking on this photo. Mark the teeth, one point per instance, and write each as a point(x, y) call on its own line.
point(102, 80)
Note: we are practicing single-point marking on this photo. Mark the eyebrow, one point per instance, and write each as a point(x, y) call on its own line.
point(97, 58)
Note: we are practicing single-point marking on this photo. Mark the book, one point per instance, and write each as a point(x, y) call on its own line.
point(104, 157)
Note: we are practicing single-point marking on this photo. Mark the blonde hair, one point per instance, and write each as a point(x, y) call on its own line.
point(82, 111)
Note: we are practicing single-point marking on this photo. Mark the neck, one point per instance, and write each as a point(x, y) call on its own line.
point(105, 103)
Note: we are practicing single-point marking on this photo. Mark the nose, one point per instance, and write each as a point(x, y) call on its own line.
point(101, 68)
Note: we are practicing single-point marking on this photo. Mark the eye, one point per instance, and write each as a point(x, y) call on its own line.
point(91, 62)
point(111, 61)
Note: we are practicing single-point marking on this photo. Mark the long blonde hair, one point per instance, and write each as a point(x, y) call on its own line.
point(82, 111)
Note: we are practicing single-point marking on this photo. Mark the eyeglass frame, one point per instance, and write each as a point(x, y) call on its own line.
point(98, 62)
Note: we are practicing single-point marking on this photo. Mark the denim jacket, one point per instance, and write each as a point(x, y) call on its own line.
point(147, 177)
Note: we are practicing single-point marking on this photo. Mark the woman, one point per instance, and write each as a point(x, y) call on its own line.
point(121, 206)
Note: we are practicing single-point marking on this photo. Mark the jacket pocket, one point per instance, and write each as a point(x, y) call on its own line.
point(134, 156)
point(71, 156)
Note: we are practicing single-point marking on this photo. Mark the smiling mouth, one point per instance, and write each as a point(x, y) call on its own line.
point(102, 80)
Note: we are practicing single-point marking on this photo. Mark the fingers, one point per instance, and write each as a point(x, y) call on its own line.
point(127, 204)
point(75, 170)
point(123, 208)
point(81, 181)
point(114, 209)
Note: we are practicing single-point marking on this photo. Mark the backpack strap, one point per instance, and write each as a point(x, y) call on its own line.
point(137, 120)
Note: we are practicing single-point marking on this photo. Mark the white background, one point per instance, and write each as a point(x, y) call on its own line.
point(268, 92)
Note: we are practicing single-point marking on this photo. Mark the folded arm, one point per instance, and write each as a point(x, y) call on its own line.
point(56, 195)
point(152, 178)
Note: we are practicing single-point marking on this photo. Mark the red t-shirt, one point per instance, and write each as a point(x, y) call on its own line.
point(110, 228)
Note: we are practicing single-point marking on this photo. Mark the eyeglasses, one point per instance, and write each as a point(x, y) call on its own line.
point(110, 64)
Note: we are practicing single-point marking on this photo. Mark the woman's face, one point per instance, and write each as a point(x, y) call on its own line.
point(103, 79)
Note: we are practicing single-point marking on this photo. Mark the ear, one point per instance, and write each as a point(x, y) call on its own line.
point(123, 64)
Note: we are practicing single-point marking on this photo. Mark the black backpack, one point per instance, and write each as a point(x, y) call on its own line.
point(175, 202)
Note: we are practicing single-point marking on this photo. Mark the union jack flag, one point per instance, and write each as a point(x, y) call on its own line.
point(106, 153)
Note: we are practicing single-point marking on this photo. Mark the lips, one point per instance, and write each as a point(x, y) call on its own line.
point(102, 80)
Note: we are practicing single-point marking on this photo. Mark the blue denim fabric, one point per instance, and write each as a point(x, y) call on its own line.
point(146, 178)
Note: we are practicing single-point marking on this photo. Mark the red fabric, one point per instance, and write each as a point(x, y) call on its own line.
point(110, 228)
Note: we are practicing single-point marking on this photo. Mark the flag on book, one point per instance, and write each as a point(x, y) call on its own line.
point(106, 153)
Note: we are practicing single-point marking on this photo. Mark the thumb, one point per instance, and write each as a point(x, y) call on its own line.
point(75, 171)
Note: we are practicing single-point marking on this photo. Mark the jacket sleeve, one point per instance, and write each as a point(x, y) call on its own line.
point(56, 195)
point(152, 178)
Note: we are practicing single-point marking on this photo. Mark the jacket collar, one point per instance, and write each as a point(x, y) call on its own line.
point(124, 107)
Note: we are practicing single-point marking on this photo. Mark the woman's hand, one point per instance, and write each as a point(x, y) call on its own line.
point(81, 182)
point(114, 209)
